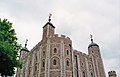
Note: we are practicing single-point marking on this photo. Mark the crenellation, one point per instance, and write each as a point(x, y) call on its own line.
point(63, 36)
point(55, 35)
point(68, 38)
point(112, 74)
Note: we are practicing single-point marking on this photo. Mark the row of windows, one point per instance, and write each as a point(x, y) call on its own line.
point(55, 63)
point(55, 51)
point(83, 74)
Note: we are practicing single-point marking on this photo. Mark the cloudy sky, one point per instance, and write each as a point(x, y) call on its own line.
point(76, 19)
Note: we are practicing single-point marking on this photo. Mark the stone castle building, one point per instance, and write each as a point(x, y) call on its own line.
point(54, 56)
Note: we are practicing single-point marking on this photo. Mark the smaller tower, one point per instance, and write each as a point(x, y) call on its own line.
point(48, 28)
point(112, 74)
point(93, 48)
point(96, 59)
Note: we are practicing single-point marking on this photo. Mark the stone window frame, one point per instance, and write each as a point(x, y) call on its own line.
point(83, 74)
point(35, 67)
point(91, 74)
point(54, 61)
point(43, 63)
point(92, 52)
point(68, 63)
point(43, 53)
point(57, 60)
point(55, 50)
point(67, 52)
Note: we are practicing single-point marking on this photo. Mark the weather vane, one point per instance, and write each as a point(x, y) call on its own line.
point(91, 36)
point(49, 17)
point(26, 42)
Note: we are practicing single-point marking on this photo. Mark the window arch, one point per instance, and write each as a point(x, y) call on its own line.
point(54, 62)
point(35, 67)
point(83, 74)
point(43, 64)
point(92, 51)
point(91, 75)
point(68, 63)
point(67, 52)
point(55, 50)
point(43, 53)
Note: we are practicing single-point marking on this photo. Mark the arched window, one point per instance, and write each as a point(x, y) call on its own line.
point(91, 74)
point(43, 64)
point(36, 58)
point(68, 63)
point(43, 53)
point(54, 62)
point(55, 50)
point(35, 67)
point(83, 74)
point(92, 51)
point(67, 52)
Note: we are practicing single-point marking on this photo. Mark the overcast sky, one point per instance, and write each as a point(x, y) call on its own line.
point(76, 19)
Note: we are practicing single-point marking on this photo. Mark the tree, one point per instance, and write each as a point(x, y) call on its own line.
point(8, 49)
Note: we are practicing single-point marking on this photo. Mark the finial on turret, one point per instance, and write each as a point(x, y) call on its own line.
point(26, 42)
point(25, 48)
point(49, 17)
point(91, 36)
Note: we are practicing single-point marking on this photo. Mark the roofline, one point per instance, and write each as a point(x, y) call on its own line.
point(49, 24)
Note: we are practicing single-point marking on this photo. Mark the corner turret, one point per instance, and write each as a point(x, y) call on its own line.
point(96, 59)
point(48, 29)
point(93, 48)
point(92, 43)
point(112, 74)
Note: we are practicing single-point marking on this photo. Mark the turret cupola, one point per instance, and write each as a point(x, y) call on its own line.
point(93, 48)
point(92, 43)
point(112, 74)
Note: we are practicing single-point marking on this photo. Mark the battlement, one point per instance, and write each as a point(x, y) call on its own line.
point(61, 36)
point(112, 73)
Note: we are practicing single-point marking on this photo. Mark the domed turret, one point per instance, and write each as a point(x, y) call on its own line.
point(112, 74)
point(92, 43)
point(95, 56)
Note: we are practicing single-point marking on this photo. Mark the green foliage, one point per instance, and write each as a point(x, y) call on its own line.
point(8, 49)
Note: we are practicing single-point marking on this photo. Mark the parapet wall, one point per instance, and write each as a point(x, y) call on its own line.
point(58, 38)
point(61, 36)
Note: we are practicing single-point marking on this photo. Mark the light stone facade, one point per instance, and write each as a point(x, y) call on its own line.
point(54, 56)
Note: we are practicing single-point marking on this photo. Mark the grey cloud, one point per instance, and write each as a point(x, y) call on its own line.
point(74, 18)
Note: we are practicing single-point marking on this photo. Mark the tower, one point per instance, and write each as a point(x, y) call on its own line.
point(48, 29)
point(112, 74)
point(96, 60)
point(56, 52)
